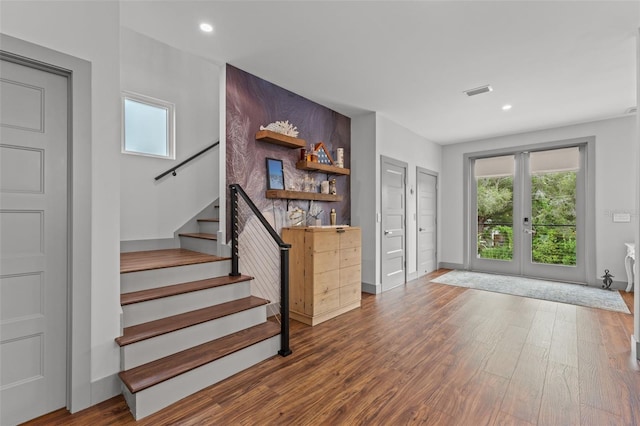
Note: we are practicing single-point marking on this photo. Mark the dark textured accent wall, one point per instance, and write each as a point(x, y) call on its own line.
point(252, 102)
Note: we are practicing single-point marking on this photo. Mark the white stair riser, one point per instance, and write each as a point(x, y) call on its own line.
point(144, 280)
point(199, 244)
point(155, 398)
point(157, 347)
point(208, 227)
point(138, 313)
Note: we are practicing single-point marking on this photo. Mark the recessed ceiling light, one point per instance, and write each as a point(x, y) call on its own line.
point(207, 28)
point(506, 107)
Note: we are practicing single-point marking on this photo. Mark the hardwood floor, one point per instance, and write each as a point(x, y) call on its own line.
point(426, 353)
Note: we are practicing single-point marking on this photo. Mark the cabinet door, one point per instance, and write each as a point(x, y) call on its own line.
point(350, 238)
point(319, 241)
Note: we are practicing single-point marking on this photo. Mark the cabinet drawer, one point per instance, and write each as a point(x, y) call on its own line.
point(322, 241)
point(350, 238)
point(349, 257)
point(350, 294)
point(326, 302)
point(326, 281)
point(350, 275)
point(324, 261)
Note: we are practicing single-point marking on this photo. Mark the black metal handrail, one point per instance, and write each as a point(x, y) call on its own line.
point(173, 169)
point(284, 260)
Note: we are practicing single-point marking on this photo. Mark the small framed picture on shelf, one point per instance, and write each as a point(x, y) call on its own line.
point(275, 174)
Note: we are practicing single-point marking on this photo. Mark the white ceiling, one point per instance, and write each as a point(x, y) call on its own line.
point(556, 62)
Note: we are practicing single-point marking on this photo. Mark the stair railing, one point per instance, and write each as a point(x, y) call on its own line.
point(194, 156)
point(236, 190)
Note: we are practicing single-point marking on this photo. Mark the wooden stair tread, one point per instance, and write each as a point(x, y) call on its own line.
point(157, 259)
point(200, 235)
point(175, 289)
point(147, 330)
point(209, 220)
point(152, 373)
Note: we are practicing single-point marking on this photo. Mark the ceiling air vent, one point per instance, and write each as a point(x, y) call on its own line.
point(631, 110)
point(478, 90)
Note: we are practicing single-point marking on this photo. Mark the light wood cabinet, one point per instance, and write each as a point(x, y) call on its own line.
point(324, 272)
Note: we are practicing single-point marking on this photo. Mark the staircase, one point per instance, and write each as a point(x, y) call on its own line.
point(204, 241)
point(187, 323)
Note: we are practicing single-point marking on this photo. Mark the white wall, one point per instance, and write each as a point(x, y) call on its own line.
point(150, 209)
point(402, 144)
point(364, 194)
point(614, 141)
point(374, 135)
point(90, 31)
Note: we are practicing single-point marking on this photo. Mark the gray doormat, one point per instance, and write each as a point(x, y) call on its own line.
point(574, 294)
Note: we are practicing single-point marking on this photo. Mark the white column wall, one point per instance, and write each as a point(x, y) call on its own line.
point(635, 341)
point(364, 195)
point(614, 140)
point(90, 31)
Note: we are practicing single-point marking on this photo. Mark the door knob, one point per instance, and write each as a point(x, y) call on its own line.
point(388, 232)
point(420, 229)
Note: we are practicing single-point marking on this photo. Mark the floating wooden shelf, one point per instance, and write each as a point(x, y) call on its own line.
point(318, 167)
point(298, 195)
point(280, 139)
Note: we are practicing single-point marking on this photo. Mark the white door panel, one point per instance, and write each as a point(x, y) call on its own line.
point(393, 223)
point(33, 243)
point(426, 222)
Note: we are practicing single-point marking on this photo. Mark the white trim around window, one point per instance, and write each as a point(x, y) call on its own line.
point(148, 126)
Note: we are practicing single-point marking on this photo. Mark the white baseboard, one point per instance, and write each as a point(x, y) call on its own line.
point(412, 276)
point(371, 288)
point(105, 388)
point(635, 347)
point(449, 265)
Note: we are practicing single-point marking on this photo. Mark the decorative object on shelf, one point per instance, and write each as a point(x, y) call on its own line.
point(275, 174)
point(332, 217)
point(297, 217)
point(309, 184)
point(314, 213)
point(312, 154)
point(332, 187)
point(324, 187)
point(282, 127)
point(607, 281)
point(339, 157)
point(323, 154)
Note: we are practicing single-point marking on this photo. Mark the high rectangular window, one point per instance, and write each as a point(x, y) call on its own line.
point(148, 126)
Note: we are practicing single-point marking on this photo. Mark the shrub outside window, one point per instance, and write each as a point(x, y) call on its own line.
point(148, 126)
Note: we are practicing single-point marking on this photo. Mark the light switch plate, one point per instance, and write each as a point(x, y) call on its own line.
point(621, 217)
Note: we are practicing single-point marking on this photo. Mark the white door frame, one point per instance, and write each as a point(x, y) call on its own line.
point(434, 174)
point(590, 204)
point(78, 73)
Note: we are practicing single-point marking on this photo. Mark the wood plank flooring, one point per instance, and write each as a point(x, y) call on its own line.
point(426, 353)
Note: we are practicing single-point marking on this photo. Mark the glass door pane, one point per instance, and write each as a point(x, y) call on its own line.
point(553, 177)
point(494, 205)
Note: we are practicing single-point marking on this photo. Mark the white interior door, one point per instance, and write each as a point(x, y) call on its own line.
point(33, 247)
point(426, 214)
point(393, 182)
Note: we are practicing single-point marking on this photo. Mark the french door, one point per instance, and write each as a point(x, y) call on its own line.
point(528, 214)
